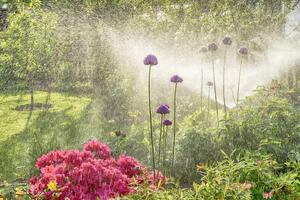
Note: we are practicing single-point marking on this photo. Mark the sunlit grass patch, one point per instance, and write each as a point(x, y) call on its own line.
point(13, 121)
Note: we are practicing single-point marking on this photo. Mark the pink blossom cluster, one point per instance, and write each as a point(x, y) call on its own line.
point(89, 174)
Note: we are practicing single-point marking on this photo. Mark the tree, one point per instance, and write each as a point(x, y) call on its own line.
point(28, 49)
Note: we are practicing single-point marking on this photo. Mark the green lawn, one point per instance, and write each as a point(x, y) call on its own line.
point(25, 135)
point(13, 121)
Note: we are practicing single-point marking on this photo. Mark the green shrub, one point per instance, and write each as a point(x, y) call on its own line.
point(196, 145)
point(272, 127)
point(267, 125)
point(249, 178)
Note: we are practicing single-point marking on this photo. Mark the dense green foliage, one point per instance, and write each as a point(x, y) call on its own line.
point(247, 178)
point(266, 123)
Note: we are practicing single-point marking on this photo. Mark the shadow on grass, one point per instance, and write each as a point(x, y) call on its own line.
point(50, 131)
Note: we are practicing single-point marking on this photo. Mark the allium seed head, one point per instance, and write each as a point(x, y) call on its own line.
point(227, 40)
point(162, 109)
point(150, 60)
point(203, 50)
point(209, 83)
point(176, 79)
point(167, 122)
point(212, 47)
point(243, 51)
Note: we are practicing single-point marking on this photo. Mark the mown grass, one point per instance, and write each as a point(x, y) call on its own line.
point(25, 135)
point(13, 121)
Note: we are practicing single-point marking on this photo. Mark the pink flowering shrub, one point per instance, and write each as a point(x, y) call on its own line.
point(89, 174)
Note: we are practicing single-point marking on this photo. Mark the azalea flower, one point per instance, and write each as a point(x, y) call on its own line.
point(89, 174)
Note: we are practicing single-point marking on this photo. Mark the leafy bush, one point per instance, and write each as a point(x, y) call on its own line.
point(250, 178)
point(197, 145)
point(15, 190)
point(169, 194)
point(271, 126)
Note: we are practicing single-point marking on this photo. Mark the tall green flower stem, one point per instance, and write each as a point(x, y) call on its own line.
point(160, 138)
point(243, 52)
point(165, 150)
point(224, 68)
point(150, 121)
point(201, 97)
point(227, 41)
point(208, 102)
point(203, 52)
point(174, 131)
point(239, 81)
point(215, 89)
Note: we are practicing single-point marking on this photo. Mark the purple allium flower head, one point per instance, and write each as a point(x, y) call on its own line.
point(203, 50)
point(166, 105)
point(227, 40)
point(167, 122)
point(212, 47)
point(162, 109)
point(243, 51)
point(150, 60)
point(176, 79)
point(209, 83)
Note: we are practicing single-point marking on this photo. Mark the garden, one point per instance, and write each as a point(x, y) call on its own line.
point(146, 99)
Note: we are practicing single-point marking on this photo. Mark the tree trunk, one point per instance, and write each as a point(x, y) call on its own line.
point(31, 99)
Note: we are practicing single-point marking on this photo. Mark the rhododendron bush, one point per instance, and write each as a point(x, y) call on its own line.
point(89, 174)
